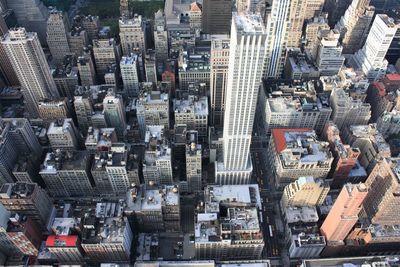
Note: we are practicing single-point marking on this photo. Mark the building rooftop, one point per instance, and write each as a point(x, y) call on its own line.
point(215, 195)
point(141, 199)
point(153, 97)
point(62, 241)
point(300, 146)
point(235, 225)
point(229, 213)
point(17, 190)
point(301, 214)
point(358, 171)
point(100, 139)
point(195, 59)
point(64, 161)
point(109, 230)
point(197, 106)
point(308, 240)
point(370, 132)
point(59, 127)
point(128, 60)
point(249, 23)
point(64, 226)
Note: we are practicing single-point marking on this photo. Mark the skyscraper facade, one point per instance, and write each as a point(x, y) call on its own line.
point(29, 63)
point(114, 113)
point(371, 58)
point(354, 25)
point(217, 16)
point(247, 55)
point(219, 66)
point(57, 28)
point(32, 15)
point(277, 28)
point(344, 213)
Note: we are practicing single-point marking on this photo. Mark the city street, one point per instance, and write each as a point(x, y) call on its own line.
point(272, 222)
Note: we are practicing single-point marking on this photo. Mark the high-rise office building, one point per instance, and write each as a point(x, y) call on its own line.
point(64, 135)
point(193, 112)
point(306, 191)
point(289, 164)
point(29, 62)
point(160, 37)
point(217, 15)
point(129, 74)
point(371, 58)
point(157, 164)
point(226, 208)
point(8, 155)
point(114, 169)
point(33, 201)
point(16, 139)
point(344, 213)
point(65, 248)
point(132, 33)
point(382, 204)
point(57, 28)
point(195, 16)
point(219, 65)
point(91, 24)
point(297, 13)
point(106, 53)
point(369, 141)
point(314, 8)
point(154, 208)
point(345, 156)
point(87, 71)
point(329, 57)
point(293, 106)
point(347, 110)
point(50, 110)
point(193, 162)
point(65, 76)
point(84, 111)
point(32, 15)
point(22, 136)
point(336, 9)
point(115, 247)
point(152, 108)
point(77, 39)
point(67, 174)
point(7, 73)
point(248, 50)
point(277, 28)
point(114, 113)
point(313, 27)
point(354, 25)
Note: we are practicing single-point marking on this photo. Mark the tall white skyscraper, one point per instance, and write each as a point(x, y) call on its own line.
point(129, 73)
point(277, 28)
point(371, 58)
point(247, 55)
point(29, 63)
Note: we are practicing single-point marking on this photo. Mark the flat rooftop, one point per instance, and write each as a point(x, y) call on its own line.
point(249, 23)
point(301, 214)
point(243, 194)
point(300, 146)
